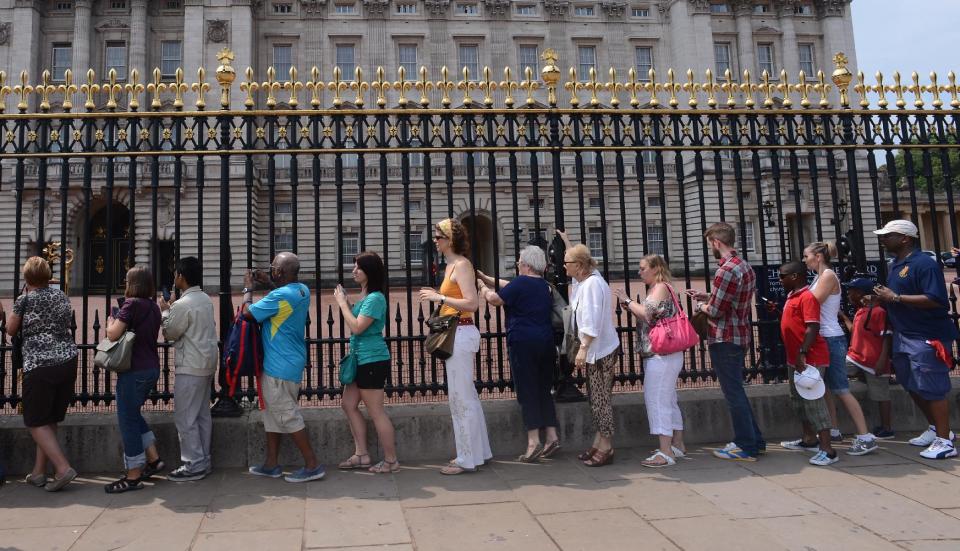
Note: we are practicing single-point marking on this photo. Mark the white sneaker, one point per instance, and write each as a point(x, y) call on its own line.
point(928, 437)
point(728, 447)
point(822, 459)
point(941, 448)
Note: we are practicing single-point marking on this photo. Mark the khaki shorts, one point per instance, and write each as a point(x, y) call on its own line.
point(281, 397)
point(878, 386)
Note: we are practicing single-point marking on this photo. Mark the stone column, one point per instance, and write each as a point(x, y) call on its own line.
point(683, 46)
point(23, 49)
point(242, 39)
point(139, 35)
point(745, 47)
point(837, 30)
point(789, 47)
point(81, 40)
point(702, 38)
point(195, 39)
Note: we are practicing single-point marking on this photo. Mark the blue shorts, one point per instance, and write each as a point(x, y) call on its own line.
point(836, 374)
point(919, 369)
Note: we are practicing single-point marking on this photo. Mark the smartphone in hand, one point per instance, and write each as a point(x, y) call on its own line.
point(166, 294)
point(120, 301)
point(114, 312)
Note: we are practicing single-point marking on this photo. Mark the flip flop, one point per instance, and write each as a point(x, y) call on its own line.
point(550, 449)
point(457, 469)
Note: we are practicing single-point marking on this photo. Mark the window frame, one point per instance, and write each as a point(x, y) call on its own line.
point(584, 75)
point(771, 65)
point(650, 242)
point(645, 12)
point(53, 58)
point(344, 74)
point(643, 75)
point(415, 260)
point(282, 69)
point(813, 58)
point(402, 5)
point(589, 10)
point(289, 5)
point(532, 7)
point(409, 73)
point(721, 8)
point(598, 233)
point(475, 70)
point(107, 46)
point(726, 46)
point(338, 6)
point(522, 64)
point(345, 258)
point(467, 9)
point(163, 58)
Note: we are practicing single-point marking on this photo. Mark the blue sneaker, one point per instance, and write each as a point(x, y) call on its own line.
point(306, 475)
point(883, 434)
point(259, 470)
point(733, 454)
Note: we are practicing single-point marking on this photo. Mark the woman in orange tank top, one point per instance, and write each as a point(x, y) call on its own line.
point(458, 293)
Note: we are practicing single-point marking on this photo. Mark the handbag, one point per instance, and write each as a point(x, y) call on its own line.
point(443, 332)
point(701, 324)
point(348, 366)
point(16, 341)
point(571, 337)
point(673, 334)
point(115, 355)
point(556, 309)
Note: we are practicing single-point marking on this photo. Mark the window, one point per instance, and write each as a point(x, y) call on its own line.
point(345, 60)
point(583, 11)
point(61, 59)
point(468, 9)
point(283, 220)
point(654, 201)
point(282, 240)
point(640, 12)
point(415, 246)
point(526, 9)
point(171, 53)
point(345, 8)
point(806, 59)
point(537, 237)
point(408, 59)
point(719, 8)
point(761, 8)
point(748, 235)
point(118, 4)
point(765, 59)
point(283, 60)
point(282, 7)
point(539, 202)
point(406, 8)
point(348, 207)
point(63, 6)
point(414, 205)
point(654, 240)
point(587, 57)
point(469, 57)
point(115, 55)
point(595, 242)
point(349, 247)
point(644, 58)
point(721, 53)
point(171, 5)
point(528, 55)
point(281, 162)
point(595, 203)
point(803, 9)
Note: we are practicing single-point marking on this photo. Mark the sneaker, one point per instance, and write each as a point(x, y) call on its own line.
point(733, 454)
point(226, 407)
point(862, 447)
point(941, 448)
point(800, 445)
point(306, 475)
point(927, 437)
point(822, 459)
point(836, 438)
point(259, 470)
point(182, 474)
point(881, 433)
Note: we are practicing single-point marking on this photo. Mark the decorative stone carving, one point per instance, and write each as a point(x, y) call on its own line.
point(786, 7)
point(376, 7)
point(436, 7)
point(312, 7)
point(218, 30)
point(556, 8)
point(114, 24)
point(699, 6)
point(497, 8)
point(6, 29)
point(614, 10)
point(742, 7)
point(831, 8)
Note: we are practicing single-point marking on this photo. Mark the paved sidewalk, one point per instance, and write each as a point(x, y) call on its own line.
point(889, 500)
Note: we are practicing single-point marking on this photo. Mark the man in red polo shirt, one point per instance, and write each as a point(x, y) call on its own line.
point(800, 329)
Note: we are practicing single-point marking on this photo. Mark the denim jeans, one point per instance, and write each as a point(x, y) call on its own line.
point(727, 359)
point(132, 389)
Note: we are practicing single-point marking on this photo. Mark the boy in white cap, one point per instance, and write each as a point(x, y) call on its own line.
point(800, 330)
point(923, 334)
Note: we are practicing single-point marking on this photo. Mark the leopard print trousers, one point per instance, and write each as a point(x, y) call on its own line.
point(600, 390)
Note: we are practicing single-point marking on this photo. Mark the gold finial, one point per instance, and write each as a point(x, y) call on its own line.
point(155, 88)
point(550, 75)
point(68, 89)
point(953, 90)
point(691, 88)
point(445, 85)
point(509, 86)
point(134, 89)
point(917, 90)
point(862, 88)
point(337, 86)
point(23, 90)
point(179, 88)
point(898, 90)
point(113, 89)
point(881, 90)
point(249, 86)
point(316, 86)
point(785, 88)
point(730, 88)
point(402, 85)
point(487, 86)
point(45, 89)
point(672, 87)
point(89, 89)
point(766, 88)
point(614, 88)
point(529, 85)
point(935, 90)
point(594, 87)
point(424, 86)
point(200, 87)
point(572, 86)
point(381, 85)
point(271, 86)
point(633, 86)
point(652, 87)
point(466, 85)
point(748, 88)
point(822, 88)
point(711, 88)
point(293, 86)
point(804, 88)
point(359, 86)
point(4, 91)
point(841, 78)
point(226, 74)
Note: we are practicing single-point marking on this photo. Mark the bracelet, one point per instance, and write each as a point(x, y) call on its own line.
point(246, 290)
point(896, 298)
point(627, 302)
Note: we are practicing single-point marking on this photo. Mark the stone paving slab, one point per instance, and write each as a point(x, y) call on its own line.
point(889, 500)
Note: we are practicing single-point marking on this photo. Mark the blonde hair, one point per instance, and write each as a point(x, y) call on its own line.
point(827, 249)
point(453, 230)
point(36, 271)
point(580, 255)
point(656, 263)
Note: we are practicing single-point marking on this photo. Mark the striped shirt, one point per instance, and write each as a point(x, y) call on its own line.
point(729, 304)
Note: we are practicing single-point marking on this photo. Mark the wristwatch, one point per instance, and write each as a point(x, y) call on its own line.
point(896, 298)
point(246, 290)
point(443, 299)
point(626, 302)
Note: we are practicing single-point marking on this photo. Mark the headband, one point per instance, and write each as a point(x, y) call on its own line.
point(446, 228)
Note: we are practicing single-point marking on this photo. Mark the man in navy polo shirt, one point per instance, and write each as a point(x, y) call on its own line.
point(923, 335)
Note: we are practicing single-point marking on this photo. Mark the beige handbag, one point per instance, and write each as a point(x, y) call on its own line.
point(115, 355)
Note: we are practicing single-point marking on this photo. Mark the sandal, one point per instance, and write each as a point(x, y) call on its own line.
point(123, 485)
point(152, 468)
point(659, 459)
point(550, 449)
point(38, 480)
point(678, 453)
point(533, 456)
point(452, 469)
point(587, 454)
point(386, 467)
point(600, 458)
point(349, 464)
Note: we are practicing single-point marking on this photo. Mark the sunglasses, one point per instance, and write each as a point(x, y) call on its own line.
point(439, 237)
point(785, 276)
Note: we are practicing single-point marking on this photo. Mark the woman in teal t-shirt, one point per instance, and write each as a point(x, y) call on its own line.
point(366, 320)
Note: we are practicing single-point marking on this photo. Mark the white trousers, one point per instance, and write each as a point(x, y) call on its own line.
point(469, 425)
point(660, 393)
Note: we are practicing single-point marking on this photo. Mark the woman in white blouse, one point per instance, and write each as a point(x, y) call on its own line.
point(592, 304)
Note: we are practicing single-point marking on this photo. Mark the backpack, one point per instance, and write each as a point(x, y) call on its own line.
point(243, 354)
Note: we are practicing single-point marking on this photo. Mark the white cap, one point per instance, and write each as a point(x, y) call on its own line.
point(809, 383)
point(904, 227)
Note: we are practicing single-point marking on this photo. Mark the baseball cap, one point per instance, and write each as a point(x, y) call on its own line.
point(904, 227)
point(809, 383)
point(861, 284)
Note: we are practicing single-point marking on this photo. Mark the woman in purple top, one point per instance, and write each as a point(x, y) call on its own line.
point(141, 315)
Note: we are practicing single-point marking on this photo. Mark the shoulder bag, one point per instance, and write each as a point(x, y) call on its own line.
point(673, 334)
point(115, 355)
point(556, 309)
point(443, 332)
point(16, 342)
point(348, 368)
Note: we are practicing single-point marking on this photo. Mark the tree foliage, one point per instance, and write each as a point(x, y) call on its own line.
point(936, 164)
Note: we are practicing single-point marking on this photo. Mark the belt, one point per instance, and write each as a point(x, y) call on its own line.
point(465, 321)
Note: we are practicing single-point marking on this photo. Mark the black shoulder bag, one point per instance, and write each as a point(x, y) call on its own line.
point(16, 357)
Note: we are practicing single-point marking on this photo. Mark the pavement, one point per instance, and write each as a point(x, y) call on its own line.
point(892, 499)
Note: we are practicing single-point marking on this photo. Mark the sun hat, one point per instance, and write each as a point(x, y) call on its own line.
point(809, 383)
point(904, 227)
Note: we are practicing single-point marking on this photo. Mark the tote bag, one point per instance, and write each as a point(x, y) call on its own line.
point(673, 334)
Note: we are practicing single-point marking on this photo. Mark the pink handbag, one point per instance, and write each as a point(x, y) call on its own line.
point(673, 334)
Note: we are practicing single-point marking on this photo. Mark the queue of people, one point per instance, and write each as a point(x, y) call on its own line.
point(902, 328)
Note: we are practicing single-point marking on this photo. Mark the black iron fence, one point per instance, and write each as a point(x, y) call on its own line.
point(106, 175)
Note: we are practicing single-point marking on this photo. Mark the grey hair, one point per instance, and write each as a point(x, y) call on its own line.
point(533, 257)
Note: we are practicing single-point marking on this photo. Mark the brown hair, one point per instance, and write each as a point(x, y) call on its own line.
point(656, 263)
point(828, 250)
point(722, 232)
point(457, 234)
point(580, 255)
point(36, 271)
point(140, 283)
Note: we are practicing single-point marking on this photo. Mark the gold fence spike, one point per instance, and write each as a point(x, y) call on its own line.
point(710, 87)
point(23, 90)
point(359, 86)
point(89, 89)
point(862, 89)
point(550, 74)
point(822, 88)
point(934, 89)
point(953, 90)
point(4, 91)
point(249, 86)
point(747, 89)
point(881, 90)
point(201, 88)
point(841, 78)
point(785, 88)
point(487, 86)
point(898, 90)
point(381, 85)
point(134, 89)
point(804, 88)
point(614, 88)
point(691, 88)
point(766, 88)
point(179, 89)
point(594, 88)
point(730, 88)
point(672, 87)
point(293, 87)
point(44, 89)
point(316, 86)
point(68, 89)
point(916, 90)
point(633, 86)
point(402, 86)
point(445, 85)
point(571, 86)
point(652, 87)
point(337, 86)
point(424, 86)
point(466, 85)
point(509, 86)
point(529, 85)
point(113, 89)
point(155, 88)
point(272, 87)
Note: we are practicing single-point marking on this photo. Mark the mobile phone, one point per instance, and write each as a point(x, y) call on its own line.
point(114, 312)
point(166, 294)
point(765, 299)
point(120, 301)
